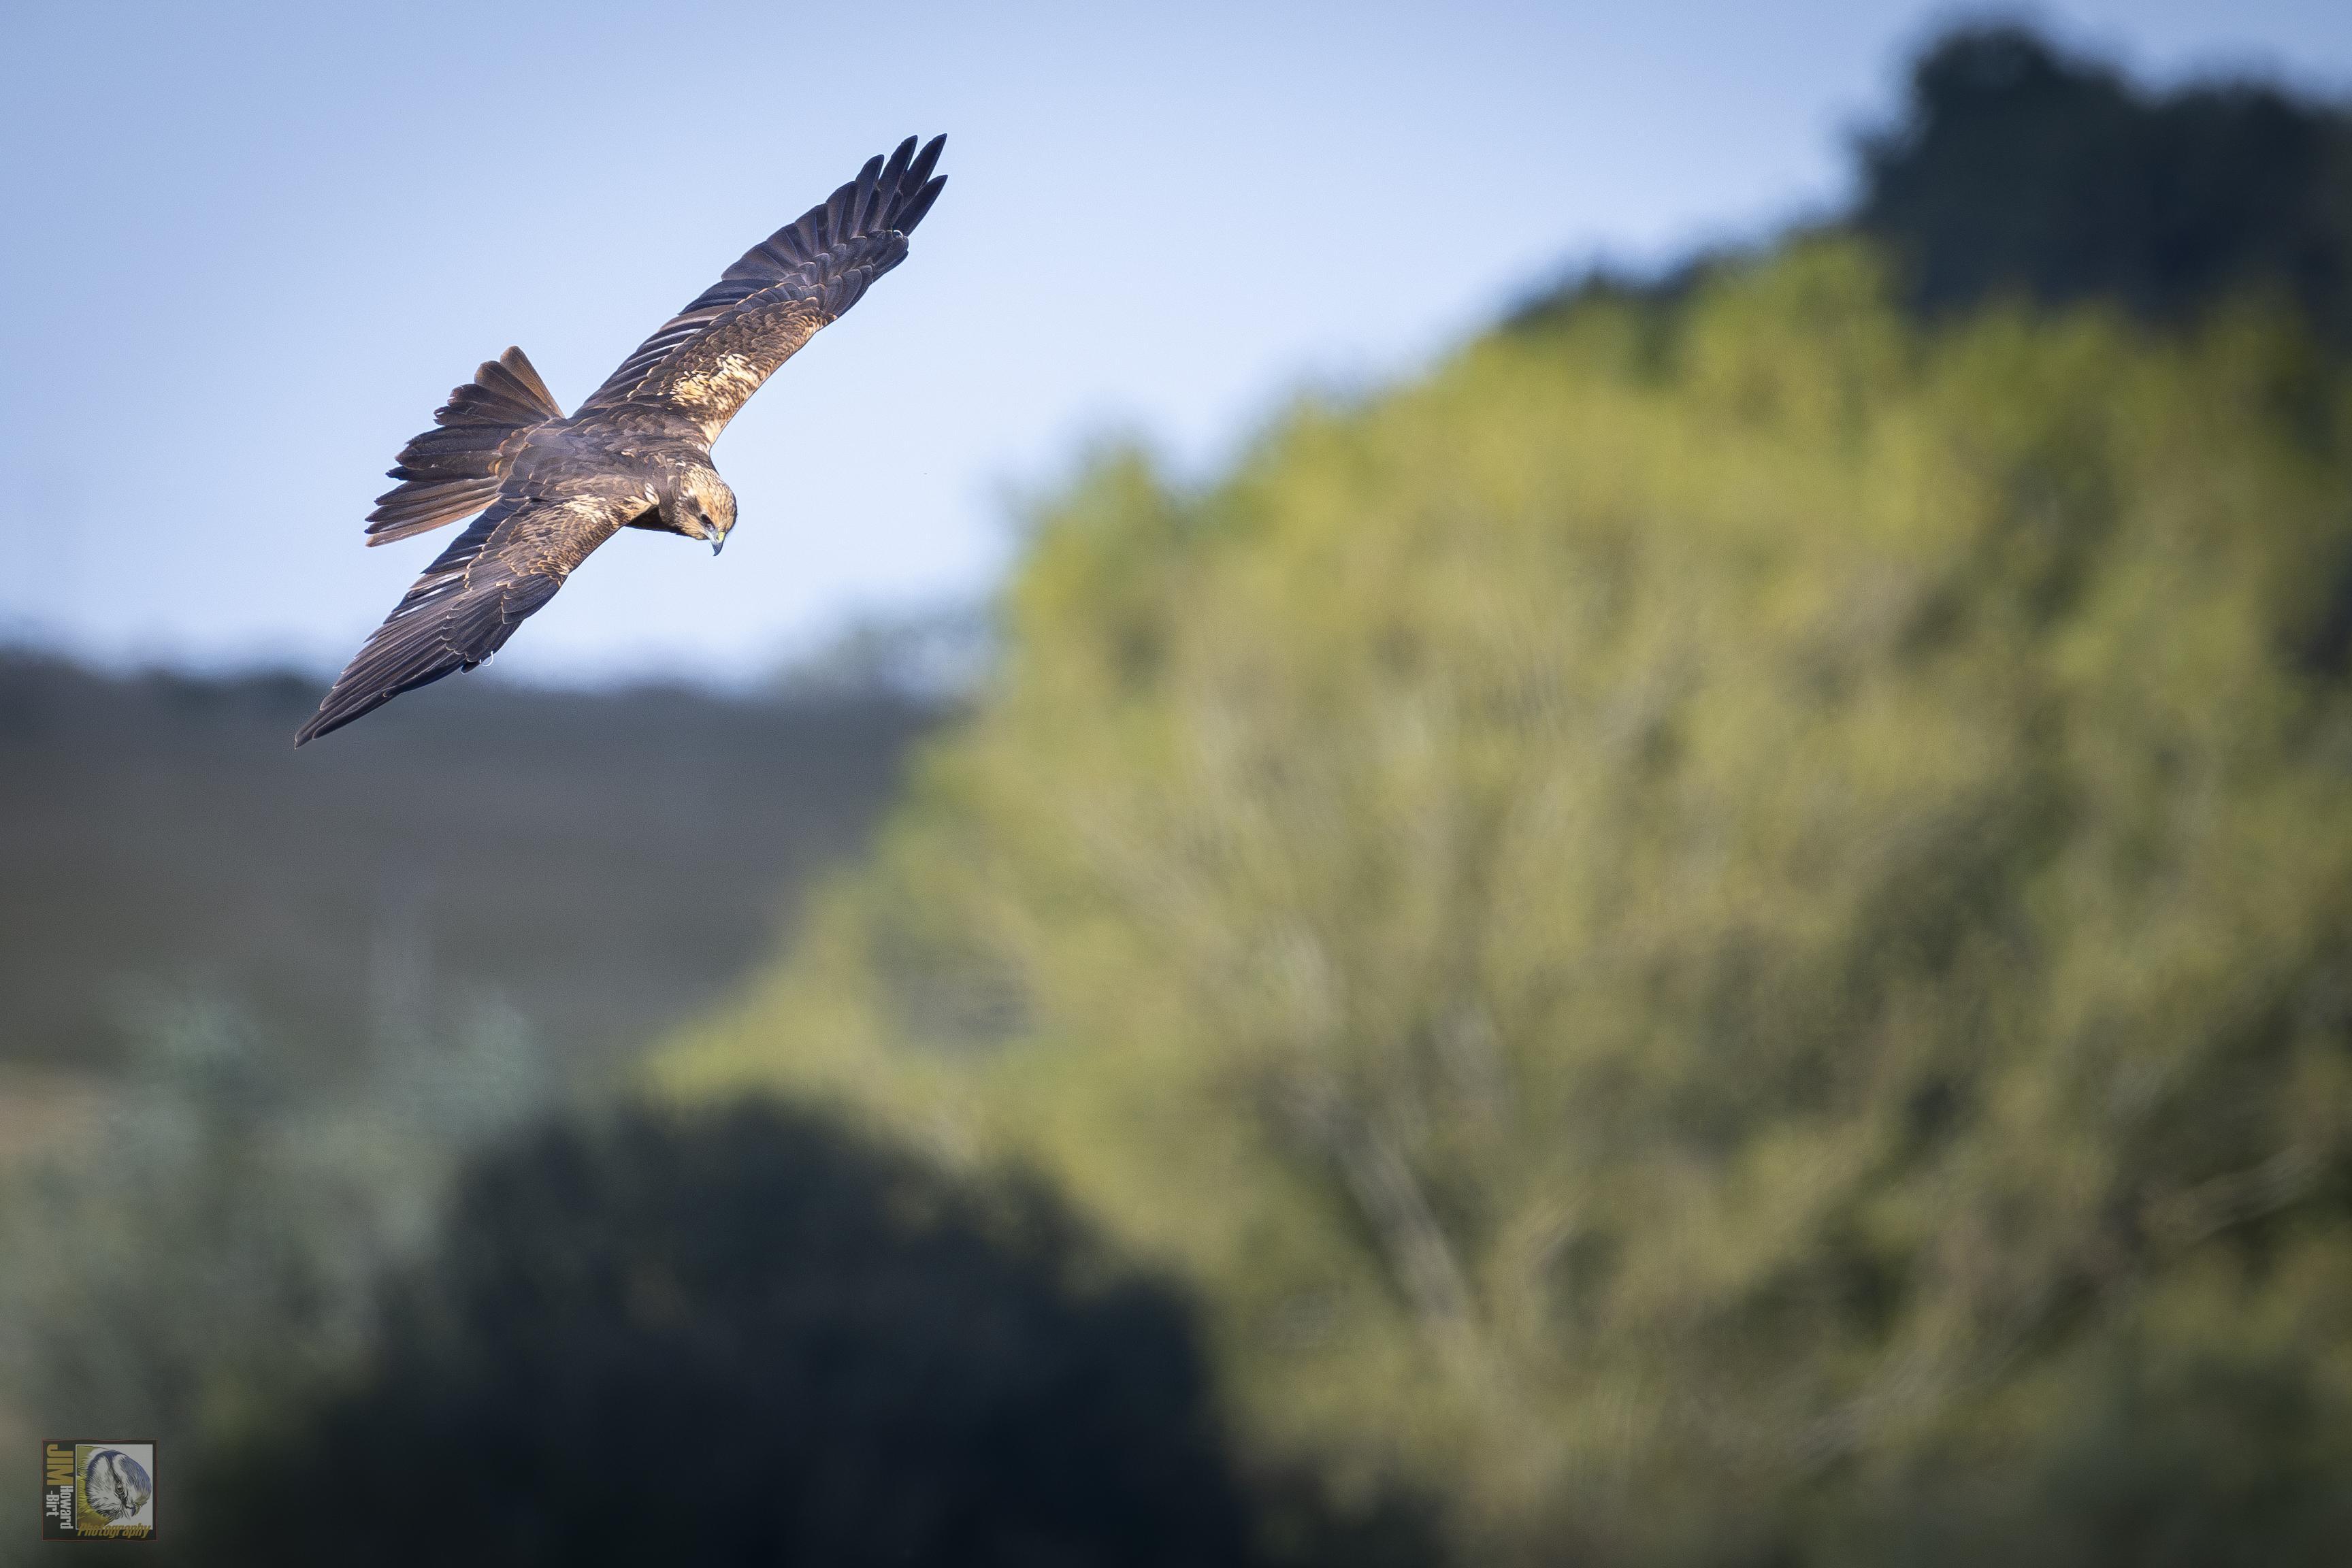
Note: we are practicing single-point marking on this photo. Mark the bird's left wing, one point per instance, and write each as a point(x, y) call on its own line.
point(708, 360)
point(509, 563)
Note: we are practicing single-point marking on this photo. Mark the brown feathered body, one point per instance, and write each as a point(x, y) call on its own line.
point(550, 489)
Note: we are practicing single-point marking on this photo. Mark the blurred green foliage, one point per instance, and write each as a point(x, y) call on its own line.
point(154, 831)
point(209, 1247)
point(1718, 932)
point(744, 1336)
point(2016, 170)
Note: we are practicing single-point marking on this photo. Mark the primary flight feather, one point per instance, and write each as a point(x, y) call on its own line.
point(550, 490)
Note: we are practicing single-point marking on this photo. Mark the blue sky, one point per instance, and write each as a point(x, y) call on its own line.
point(249, 251)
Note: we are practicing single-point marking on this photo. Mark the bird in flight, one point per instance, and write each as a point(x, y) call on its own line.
point(637, 454)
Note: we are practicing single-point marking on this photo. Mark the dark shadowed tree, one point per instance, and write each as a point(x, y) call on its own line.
point(2018, 171)
point(2015, 172)
point(750, 1337)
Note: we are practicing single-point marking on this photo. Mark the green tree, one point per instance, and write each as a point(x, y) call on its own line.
point(743, 1337)
point(1719, 931)
point(2017, 170)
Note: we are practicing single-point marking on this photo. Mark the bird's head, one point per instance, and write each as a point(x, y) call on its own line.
point(698, 504)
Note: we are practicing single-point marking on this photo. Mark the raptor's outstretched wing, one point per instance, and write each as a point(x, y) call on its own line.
point(710, 357)
point(509, 563)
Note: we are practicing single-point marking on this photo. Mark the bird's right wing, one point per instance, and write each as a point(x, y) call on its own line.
point(505, 565)
point(708, 360)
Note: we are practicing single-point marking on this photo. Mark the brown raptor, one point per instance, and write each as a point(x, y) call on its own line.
point(550, 490)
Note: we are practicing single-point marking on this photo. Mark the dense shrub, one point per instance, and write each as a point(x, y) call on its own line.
point(747, 1337)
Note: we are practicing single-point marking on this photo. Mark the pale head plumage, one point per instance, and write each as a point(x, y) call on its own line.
point(696, 503)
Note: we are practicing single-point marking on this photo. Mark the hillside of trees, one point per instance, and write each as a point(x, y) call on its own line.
point(2018, 171)
point(601, 864)
point(255, 1004)
point(1717, 934)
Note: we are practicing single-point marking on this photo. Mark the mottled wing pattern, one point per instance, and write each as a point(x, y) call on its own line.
point(454, 469)
point(709, 359)
point(509, 563)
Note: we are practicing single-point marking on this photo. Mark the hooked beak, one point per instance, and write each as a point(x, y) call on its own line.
point(717, 542)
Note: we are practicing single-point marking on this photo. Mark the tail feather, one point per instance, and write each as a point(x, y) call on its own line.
point(452, 469)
